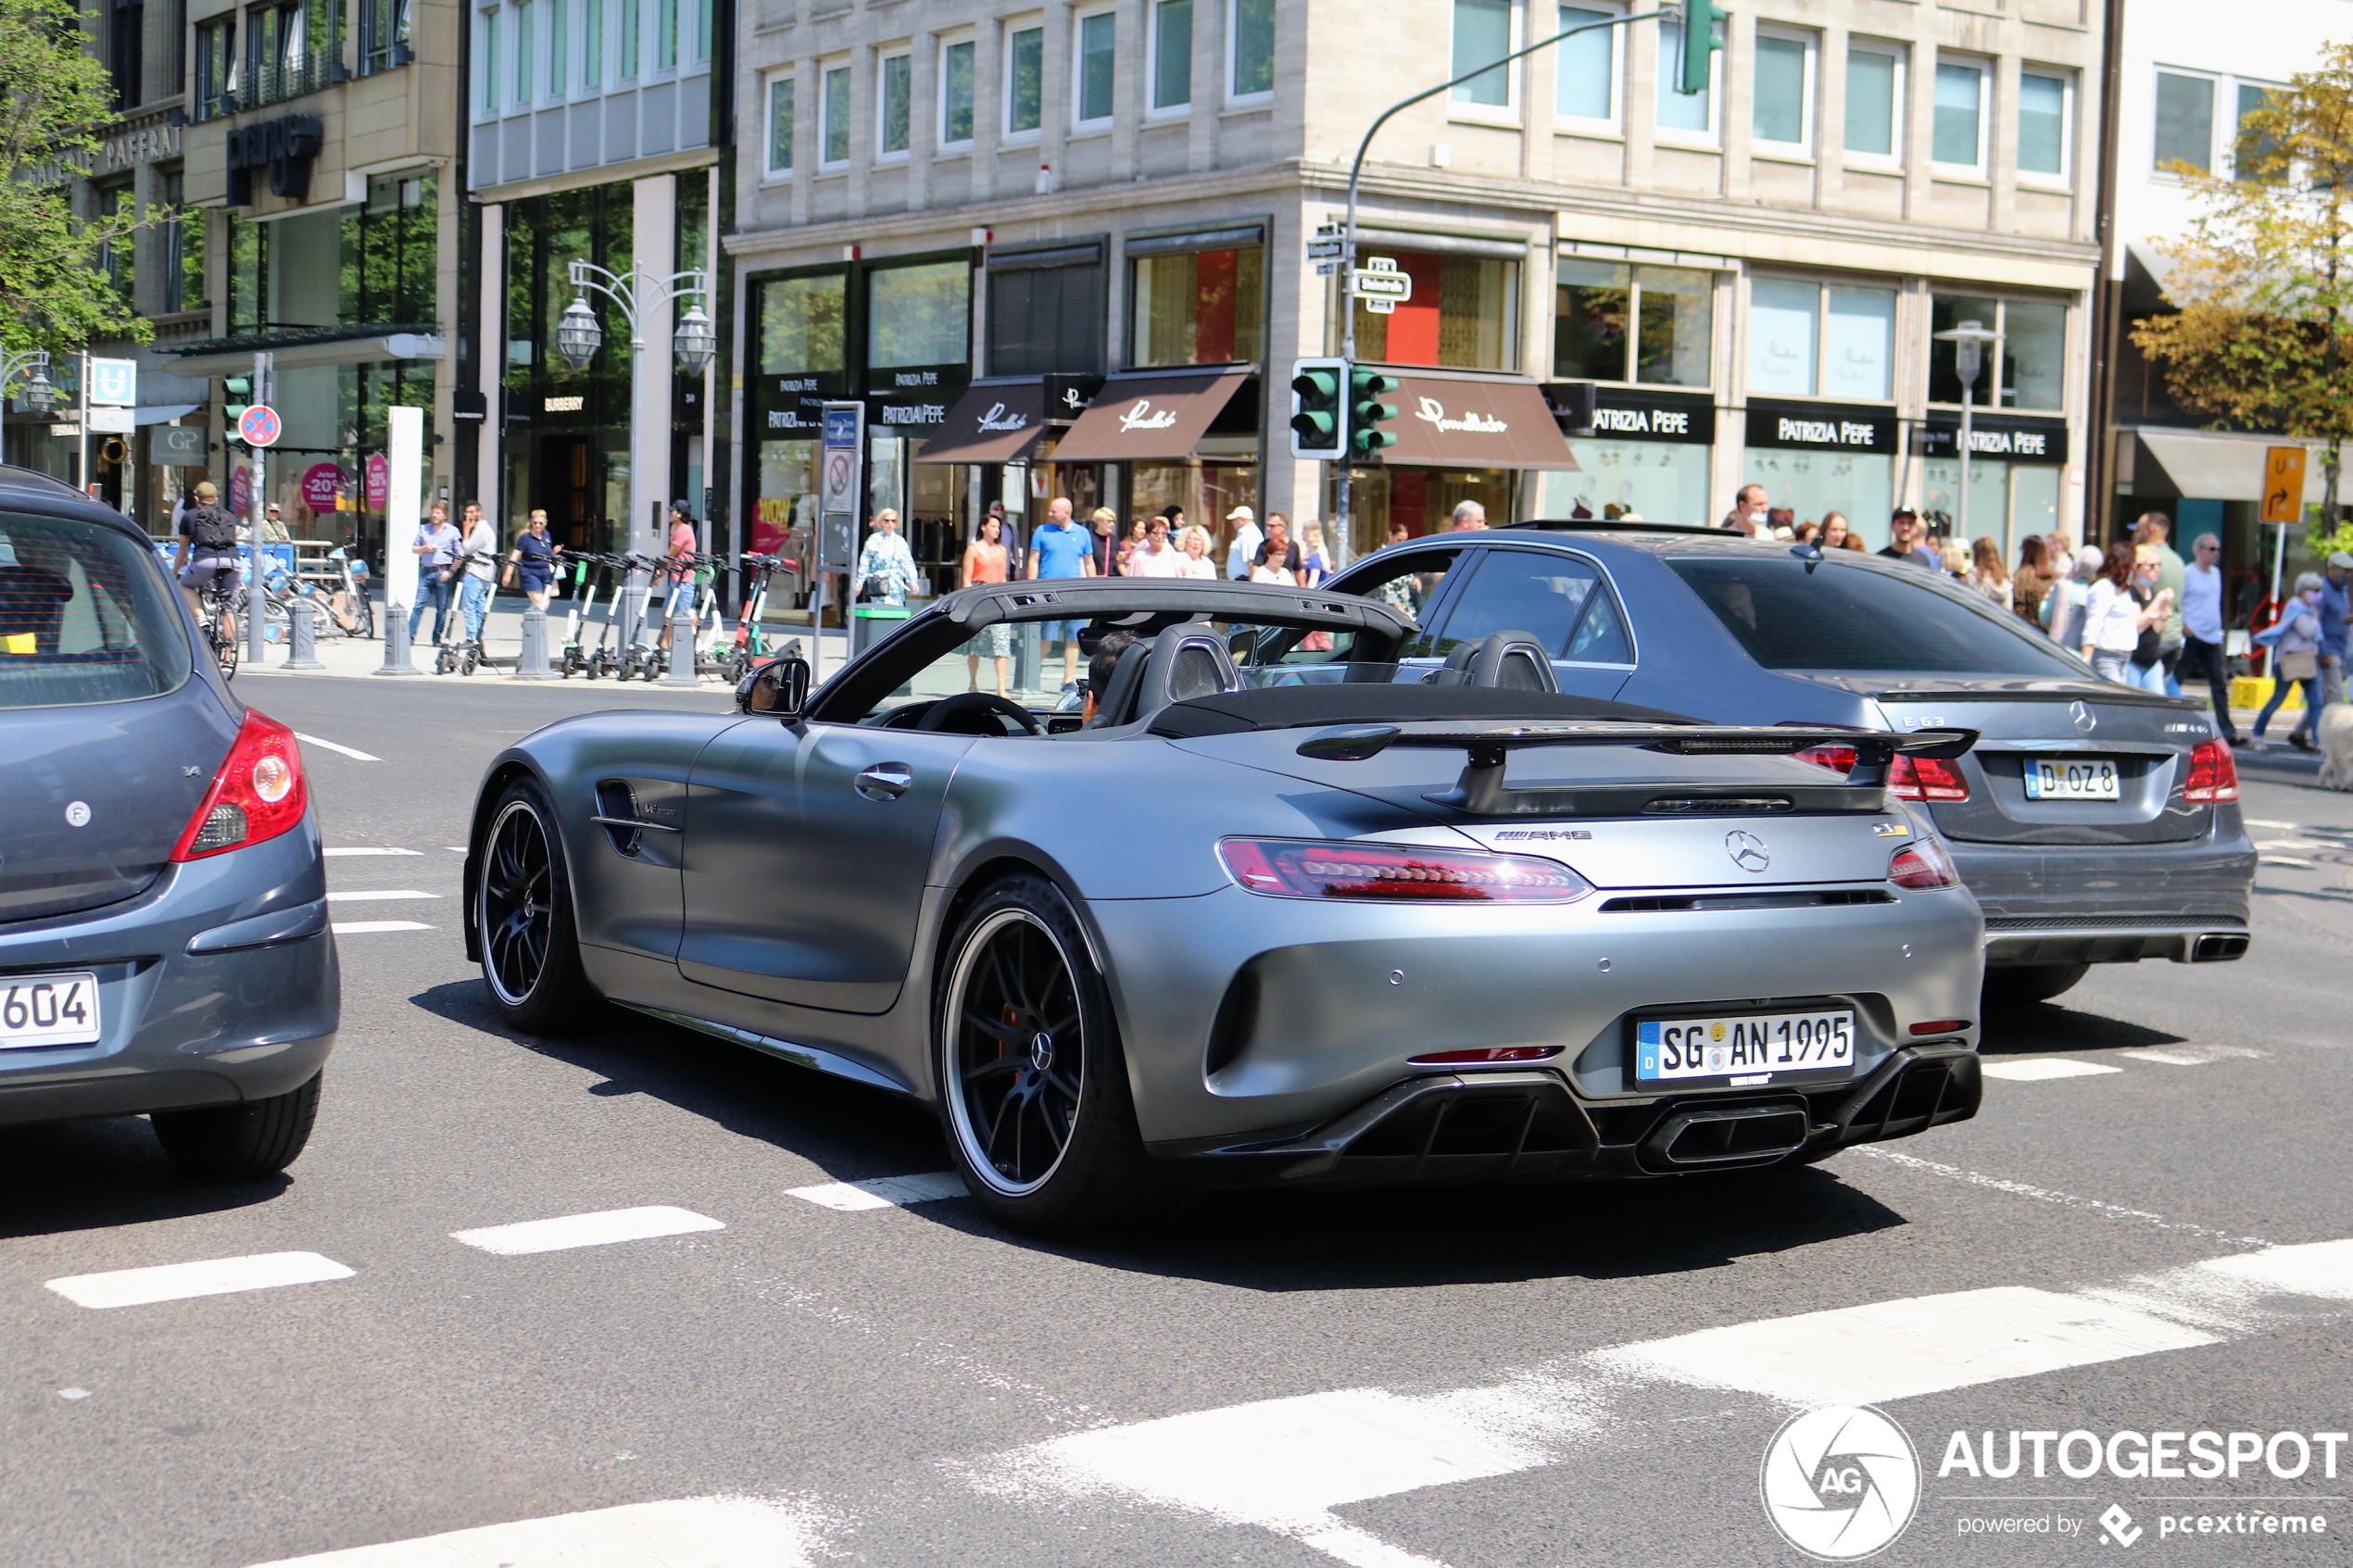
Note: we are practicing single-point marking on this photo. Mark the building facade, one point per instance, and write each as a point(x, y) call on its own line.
point(1092, 218)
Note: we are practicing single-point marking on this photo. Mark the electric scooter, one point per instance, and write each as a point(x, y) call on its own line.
point(616, 570)
point(571, 662)
point(750, 647)
point(645, 646)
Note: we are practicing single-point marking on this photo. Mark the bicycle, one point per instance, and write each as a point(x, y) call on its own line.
point(219, 619)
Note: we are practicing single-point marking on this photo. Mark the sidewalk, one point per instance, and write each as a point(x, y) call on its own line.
point(346, 657)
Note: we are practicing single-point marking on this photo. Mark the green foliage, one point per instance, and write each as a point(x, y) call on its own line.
point(52, 293)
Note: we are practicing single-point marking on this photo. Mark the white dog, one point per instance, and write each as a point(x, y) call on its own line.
point(2336, 746)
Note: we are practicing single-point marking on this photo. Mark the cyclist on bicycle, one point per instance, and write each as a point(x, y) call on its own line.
point(207, 557)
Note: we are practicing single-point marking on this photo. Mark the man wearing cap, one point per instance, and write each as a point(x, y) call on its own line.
point(1910, 545)
point(1248, 536)
point(207, 553)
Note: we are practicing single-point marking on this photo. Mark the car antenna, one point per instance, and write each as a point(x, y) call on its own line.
point(1811, 553)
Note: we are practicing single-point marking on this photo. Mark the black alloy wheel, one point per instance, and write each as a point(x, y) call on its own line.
point(523, 921)
point(1033, 1085)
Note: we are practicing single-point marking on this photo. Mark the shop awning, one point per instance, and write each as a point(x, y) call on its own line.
point(1466, 422)
point(2207, 465)
point(1146, 417)
point(992, 422)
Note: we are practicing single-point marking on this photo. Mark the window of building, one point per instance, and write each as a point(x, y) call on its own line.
point(1593, 304)
point(126, 51)
point(2042, 123)
point(1874, 100)
point(894, 105)
point(919, 315)
point(592, 45)
point(665, 34)
point(1783, 114)
point(248, 274)
point(523, 19)
point(384, 35)
point(1671, 309)
point(833, 119)
point(1172, 51)
point(388, 243)
point(1024, 81)
point(2254, 158)
point(1095, 46)
point(1483, 32)
point(558, 45)
point(1249, 47)
point(706, 30)
point(1464, 311)
point(1812, 339)
point(800, 325)
point(2185, 120)
point(216, 65)
point(118, 254)
point(1201, 307)
point(1958, 138)
point(1585, 85)
point(1045, 313)
point(1693, 113)
point(2031, 371)
point(182, 247)
point(632, 27)
point(489, 63)
point(781, 91)
point(956, 92)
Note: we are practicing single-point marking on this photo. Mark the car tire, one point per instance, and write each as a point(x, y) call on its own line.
point(1044, 1151)
point(524, 919)
point(239, 1143)
point(2023, 984)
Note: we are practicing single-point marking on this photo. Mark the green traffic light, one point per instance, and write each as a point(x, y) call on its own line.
point(1700, 44)
point(1318, 419)
point(1367, 412)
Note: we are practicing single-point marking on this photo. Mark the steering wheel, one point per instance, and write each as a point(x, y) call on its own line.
point(962, 714)
point(906, 716)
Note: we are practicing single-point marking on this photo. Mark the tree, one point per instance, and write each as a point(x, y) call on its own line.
point(2264, 280)
point(53, 294)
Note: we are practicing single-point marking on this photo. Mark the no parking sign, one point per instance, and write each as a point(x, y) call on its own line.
point(258, 426)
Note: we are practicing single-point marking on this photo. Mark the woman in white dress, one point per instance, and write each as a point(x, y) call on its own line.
point(1195, 563)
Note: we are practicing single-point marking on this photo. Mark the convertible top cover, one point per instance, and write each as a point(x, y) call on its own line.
point(1111, 600)
point(1285, 707)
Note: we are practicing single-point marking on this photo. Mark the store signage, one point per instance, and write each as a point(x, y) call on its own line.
point(322, 486)
point(284, 146)
point(113, 421)
point(571, 405)
point(1466, 422)
point(1821, 427)
point(240, 490)
point(176, 445)
point(114, 382)
point(2008, 437)
point(1431, 411)
point(1143, 416)
point(379, 481)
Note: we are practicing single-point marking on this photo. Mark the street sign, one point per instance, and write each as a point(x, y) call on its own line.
point(114, 382)
point(1380, 284)
point(841, 484)
point(112, 421)
point(2283, 484)
point(258, 426)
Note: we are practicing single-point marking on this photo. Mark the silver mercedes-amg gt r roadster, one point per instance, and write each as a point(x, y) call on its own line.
point(1277, 910)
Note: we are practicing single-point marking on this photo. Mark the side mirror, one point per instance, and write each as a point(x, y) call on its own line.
point(778, 688)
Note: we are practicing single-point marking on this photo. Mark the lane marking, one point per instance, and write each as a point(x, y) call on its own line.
point(2284, 860)
point(2044, 1195)
point(2036, 1070)
point(370, 927)
point(351, 751)
point(2268, 822)
point(884, 1192)
point(366, 849)
point(2192, 1056)
point(178, 1282)
point(588, 1230)
point(706, 1532)
point(361, 896)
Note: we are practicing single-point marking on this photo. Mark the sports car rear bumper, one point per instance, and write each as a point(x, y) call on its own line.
point(1534, 1126)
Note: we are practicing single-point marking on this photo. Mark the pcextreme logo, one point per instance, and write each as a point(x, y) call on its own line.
point(1841, 1483)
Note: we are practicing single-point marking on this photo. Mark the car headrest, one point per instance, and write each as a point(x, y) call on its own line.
point(1118, 695)
point(1511, 661)
point(1183, 663)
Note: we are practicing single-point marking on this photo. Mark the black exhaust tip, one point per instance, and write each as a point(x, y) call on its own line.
point(2219, 946)
point(1728, 1136)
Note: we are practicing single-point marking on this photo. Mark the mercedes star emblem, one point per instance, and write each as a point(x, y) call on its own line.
point(1747, 851)
point(2083, 718)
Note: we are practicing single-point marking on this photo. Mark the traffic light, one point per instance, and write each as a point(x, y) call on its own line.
point(1367, 413)
point(1319, 408)
point(1700, 43)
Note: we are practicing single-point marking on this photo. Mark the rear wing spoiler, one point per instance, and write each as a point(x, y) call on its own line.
point(1480, 790)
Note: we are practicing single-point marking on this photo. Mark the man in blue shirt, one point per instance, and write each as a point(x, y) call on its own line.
point(435, 547)
point(2337, 608)
point(1060, 548)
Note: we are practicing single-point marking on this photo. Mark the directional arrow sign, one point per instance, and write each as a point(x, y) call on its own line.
point(2283, 484)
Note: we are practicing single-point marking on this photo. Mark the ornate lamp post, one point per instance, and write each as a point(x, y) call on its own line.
point(34, 364)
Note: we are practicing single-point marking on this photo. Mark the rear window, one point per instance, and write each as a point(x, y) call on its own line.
point(1840, 617)
point(83, 616)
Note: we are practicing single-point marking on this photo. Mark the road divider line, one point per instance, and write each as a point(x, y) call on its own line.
point(2044, 1195)
point(2041, 1069)
point(351, 751)
point(180, 1282)
point(2193, 1056)
point(369, 849)
point(588, 1230)
point(377, 895)
point(884, 1192)
point(706, 1532)
point(370, 927)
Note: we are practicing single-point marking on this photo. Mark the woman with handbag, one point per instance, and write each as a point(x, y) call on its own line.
point(2294, 641)
point(885, 566)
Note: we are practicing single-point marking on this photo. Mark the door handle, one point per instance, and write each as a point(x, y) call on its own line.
point(885, 781)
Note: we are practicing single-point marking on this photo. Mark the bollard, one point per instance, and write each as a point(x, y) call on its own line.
point(530, 664)
point(396, 642)
point(257, 619)
point(682, 650)
point(302, 637)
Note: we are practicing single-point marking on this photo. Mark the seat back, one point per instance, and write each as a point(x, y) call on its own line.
point(1184, 661)
point(1511, 661)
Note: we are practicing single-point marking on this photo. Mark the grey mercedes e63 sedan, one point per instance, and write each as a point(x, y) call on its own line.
point(164, 944)
point(2096, 824)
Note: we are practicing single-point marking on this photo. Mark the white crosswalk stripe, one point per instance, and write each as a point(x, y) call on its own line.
point(377, 895)
point(353, 752)
point(2036, 1069)
point(588, 1230)
point(884, 1192)
point(369, 849)
point(700, 1532)
point(369, 927)
point(179, 1282)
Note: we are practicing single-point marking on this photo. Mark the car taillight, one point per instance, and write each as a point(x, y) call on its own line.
point(258, 793)
point(1483, 1057)
point(1908, 778)
point(1295, 867)
point(1924, 864)
point(2214, 773)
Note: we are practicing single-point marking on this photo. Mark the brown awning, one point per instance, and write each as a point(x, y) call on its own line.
point(1148, 417)
point(1445, 423)
point(992, 422)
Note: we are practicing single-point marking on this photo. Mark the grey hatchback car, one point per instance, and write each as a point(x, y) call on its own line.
point(164, 943)
point(2096, 824)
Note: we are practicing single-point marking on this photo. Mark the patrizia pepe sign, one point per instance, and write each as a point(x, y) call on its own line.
point(1819, 427)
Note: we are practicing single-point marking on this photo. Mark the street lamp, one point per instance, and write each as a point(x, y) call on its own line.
point(32, 364)
point(694, 342)
point(1969, 340)
point(578, 336)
